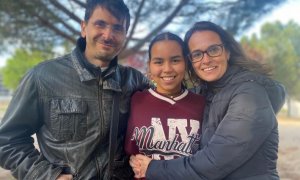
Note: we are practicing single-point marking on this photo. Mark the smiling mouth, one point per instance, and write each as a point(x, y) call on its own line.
point(169, 78)
point(209, 69)
point(105, 43)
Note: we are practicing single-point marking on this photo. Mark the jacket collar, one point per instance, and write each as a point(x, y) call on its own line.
point(86, 70)
point(226, 78)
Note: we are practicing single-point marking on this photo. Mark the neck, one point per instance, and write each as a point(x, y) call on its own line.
point(173, 94)
point(98, 62)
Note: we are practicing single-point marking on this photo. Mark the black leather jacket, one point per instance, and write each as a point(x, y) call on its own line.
point(70, 110)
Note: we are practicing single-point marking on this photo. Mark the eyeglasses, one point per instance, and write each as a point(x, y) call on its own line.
point(116, 28)
point(212, 51)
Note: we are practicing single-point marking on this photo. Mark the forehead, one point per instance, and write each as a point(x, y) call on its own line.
point(204, 38)
point(101, 13)
point(166, 47)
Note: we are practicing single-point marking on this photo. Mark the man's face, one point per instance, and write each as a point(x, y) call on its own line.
point(105, 36)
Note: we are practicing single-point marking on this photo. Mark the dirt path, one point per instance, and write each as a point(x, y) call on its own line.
point(289, 150)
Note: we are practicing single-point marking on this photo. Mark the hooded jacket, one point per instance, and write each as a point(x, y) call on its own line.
point(70, 110)
point(239, 132)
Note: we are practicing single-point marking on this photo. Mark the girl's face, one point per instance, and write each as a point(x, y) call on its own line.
point(167, 66)
point(209, 68)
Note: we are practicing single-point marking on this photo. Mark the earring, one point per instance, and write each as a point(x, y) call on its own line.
point(154, 83)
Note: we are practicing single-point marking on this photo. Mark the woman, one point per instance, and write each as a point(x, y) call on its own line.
point(165, 121)
point(239, 132)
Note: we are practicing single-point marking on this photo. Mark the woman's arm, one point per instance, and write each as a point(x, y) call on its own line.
point(248, 122)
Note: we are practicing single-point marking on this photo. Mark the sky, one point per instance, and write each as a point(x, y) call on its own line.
point(284, 13)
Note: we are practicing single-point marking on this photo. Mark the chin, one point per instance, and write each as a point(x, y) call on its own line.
point(209, 79)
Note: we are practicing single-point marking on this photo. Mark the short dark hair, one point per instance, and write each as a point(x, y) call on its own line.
point(116, 7)
point(237, 54)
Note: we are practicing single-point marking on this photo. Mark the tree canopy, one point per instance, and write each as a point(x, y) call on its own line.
point(279, 46)
point(18, 65)
point(42, 23)
point(36, 26)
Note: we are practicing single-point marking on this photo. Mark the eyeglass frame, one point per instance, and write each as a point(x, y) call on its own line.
point(206, 52)
point(117, 29)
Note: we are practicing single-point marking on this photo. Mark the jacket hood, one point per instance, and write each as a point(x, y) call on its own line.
point(274, 89)
point(234, 75)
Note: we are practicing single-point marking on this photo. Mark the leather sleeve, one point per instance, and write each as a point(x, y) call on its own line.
point(248, 122)
point(20, 122)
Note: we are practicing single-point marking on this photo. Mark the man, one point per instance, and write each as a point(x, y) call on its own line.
point(70, 103)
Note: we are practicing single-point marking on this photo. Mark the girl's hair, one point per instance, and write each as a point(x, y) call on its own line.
point(173, 37)
point(237, 54)
point(167, 36)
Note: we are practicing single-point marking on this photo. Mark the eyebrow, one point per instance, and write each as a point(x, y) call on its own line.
point(103, 21)
point(207, 47)
point(157, 58)
point(197, 50)
point(176, 57)
point(99, 21)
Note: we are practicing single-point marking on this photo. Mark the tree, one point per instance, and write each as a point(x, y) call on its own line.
point(279, 45)
point(18, 65)
point(39, 23)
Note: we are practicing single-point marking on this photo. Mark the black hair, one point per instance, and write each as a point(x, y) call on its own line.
point(167, 36)
point(237, 54)
point(116, 7)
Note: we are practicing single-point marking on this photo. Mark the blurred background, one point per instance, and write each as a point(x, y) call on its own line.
point(36, 30)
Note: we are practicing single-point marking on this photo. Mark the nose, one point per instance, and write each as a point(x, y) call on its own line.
point(107, 33)
point(167, 67)
point(205, 59)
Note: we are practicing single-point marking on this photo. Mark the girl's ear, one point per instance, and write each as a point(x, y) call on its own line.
point(148, 70)
point(149, 75)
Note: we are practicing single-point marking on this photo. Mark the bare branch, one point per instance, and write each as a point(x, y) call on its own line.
point(60, 20)
point(66, 11)
point(53, 18)
point(48, 24)
point(82, 4)
point(55, 29)
point(137, 16)
point(155, 31)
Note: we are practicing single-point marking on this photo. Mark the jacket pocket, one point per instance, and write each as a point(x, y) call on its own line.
point(68, 119)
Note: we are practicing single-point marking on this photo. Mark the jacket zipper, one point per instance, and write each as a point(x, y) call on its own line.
point(100, 89)
point(98, 170)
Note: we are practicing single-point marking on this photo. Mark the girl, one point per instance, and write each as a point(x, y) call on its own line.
point(165, 121)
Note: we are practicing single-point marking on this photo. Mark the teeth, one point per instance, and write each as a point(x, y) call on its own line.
point(168, 78)
point(209, 68)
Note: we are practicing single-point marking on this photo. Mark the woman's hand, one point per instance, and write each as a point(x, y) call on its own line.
point(139, 164)
point(136, 166)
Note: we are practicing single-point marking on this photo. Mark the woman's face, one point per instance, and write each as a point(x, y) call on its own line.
point(209, 68)
point(167, 66)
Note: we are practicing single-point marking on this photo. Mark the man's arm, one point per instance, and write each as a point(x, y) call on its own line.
point(248, 122)
point(20, 122)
